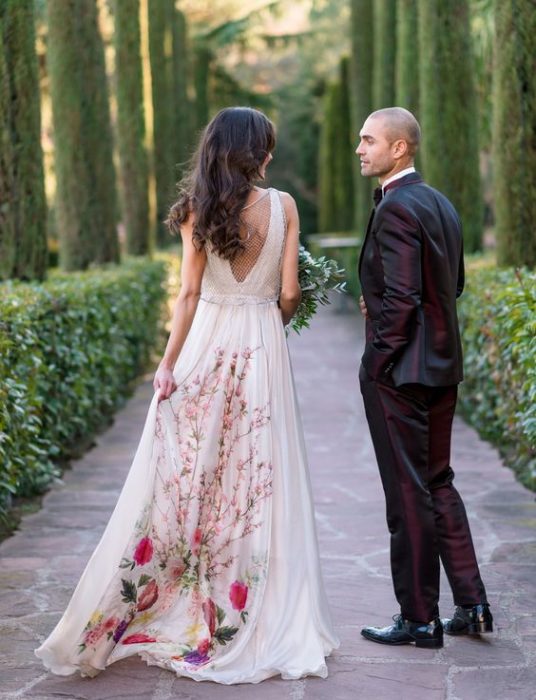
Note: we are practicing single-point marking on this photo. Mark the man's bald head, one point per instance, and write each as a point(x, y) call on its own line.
point(399, 123)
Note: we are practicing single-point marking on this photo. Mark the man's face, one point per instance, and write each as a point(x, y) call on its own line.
point(374, 150)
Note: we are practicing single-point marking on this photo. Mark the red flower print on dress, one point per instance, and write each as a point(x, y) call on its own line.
point(148, 597)
point(238, 595)
point(203, 647)
point(209, 611)
point(196, 541)
point(138, 639)
point(143, 552)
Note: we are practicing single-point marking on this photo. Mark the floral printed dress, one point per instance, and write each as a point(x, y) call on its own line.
point(209, 564)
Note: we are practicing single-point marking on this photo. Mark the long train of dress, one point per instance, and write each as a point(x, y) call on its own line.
point(209, 565)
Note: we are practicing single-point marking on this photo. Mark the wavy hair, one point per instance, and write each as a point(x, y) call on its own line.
point(227, 161)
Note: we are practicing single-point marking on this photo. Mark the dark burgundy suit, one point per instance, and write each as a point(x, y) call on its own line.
point(411, 272)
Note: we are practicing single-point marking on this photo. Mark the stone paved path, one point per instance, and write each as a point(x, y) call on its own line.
point(41, 563)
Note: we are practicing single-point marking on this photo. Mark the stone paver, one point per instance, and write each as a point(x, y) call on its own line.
point(41, 563)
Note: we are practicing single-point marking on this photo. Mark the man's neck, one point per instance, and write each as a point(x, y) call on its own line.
point(396, 175)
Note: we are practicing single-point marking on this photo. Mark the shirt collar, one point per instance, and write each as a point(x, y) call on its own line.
point(397, 176)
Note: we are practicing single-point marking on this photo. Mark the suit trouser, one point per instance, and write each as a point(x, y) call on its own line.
point(411, 429)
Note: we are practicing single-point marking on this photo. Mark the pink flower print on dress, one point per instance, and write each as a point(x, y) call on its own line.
point(209, 612)
point(196, 541)
point(238, 595)
point(175, 569)
point(138, 639)
point(148, 597)
point(203, 647)
point(143, 552)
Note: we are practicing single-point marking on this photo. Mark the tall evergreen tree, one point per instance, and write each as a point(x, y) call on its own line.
point(361, 99)
point(407, 56)
point(448, 111)
point(23, 249)
point(131, 127)
point(336, 210)
point(384, 53)
point(202, 59)
point(161, 55)
point(182, 118)
point(86, 195)
point(514, 132)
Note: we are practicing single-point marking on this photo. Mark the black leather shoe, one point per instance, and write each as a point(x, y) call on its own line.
point(474, 620)
point(422, 634)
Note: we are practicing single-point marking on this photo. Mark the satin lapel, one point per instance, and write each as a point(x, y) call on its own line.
point(369, 226)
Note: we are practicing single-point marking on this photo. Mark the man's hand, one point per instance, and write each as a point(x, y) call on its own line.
point(363, 306)
point(164, 383)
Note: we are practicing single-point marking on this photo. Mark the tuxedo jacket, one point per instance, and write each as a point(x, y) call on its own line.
point(411, 271)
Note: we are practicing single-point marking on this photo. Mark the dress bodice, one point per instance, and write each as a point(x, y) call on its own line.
point(254, 276)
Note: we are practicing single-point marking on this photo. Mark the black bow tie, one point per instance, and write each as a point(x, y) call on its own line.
point(377, 196)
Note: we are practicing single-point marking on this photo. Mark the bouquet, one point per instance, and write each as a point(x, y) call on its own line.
point(317, 276)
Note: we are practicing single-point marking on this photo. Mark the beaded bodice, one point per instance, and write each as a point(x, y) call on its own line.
point(254, 276)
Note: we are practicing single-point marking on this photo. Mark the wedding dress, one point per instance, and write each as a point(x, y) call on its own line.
point(209, 564)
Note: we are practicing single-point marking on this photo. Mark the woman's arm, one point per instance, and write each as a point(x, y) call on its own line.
point(290, 296)
point(193, 265)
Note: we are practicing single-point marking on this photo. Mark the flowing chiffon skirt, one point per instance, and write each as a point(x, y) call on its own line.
point(209, 565)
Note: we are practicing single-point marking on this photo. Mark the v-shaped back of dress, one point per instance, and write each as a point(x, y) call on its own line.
point(254, 276)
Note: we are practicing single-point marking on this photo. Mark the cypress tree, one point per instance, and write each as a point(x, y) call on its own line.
point(8, 233)
point(326, 162)
point(514, 130)
point(344, 154)
point(383, 84)
point(23, 248)
point(181, 122)
point(131, 127)
point(86, 195)
point(336, 212)
point(161, 56)
point(202, 59)
point(448, 111)
point(361, 99)
point(407, 56)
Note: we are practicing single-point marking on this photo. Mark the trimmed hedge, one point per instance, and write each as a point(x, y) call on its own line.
point(498, 396)
point(68, 350)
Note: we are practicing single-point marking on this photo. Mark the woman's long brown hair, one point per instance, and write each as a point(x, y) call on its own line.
point(231, 151)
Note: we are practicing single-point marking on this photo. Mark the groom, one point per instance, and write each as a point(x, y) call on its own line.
point(411, 272)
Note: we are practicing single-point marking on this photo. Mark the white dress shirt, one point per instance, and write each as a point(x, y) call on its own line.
point(397, 176)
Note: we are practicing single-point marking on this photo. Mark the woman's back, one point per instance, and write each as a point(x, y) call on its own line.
point(254, 276)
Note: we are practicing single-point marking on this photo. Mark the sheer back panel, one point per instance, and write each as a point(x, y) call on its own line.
point(254, 276)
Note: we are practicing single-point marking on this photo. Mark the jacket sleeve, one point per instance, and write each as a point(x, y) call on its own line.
point(461, 275)
point(398, 238)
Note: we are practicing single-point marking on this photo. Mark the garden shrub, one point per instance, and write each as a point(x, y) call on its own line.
point(498, 396)
point(68, 350)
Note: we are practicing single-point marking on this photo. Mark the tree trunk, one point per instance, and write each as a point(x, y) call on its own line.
point(514, 129)
point(83, 147)
point(361, 100)
point(448, 111)
point(23, 209)
point(131, 127)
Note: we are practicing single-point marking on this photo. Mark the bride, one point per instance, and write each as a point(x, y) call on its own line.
point(209, 564)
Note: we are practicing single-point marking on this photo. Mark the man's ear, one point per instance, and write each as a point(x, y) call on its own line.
point(400, 148)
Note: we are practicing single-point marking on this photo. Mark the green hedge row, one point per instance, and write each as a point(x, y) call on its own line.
point(68, 350)
point(498, 396)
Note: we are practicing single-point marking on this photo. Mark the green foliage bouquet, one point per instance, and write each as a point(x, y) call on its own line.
point(317, 277)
